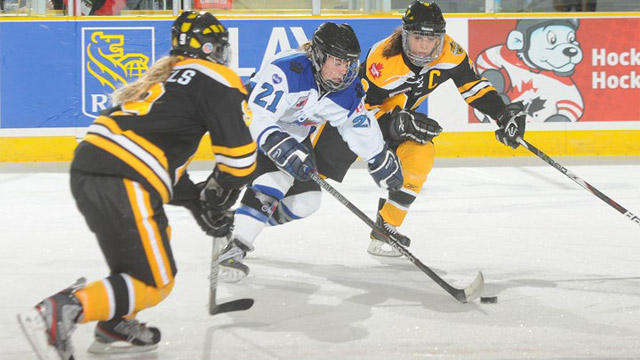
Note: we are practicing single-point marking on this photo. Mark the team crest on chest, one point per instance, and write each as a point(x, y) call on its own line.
point(455, 48)
point(375, 70)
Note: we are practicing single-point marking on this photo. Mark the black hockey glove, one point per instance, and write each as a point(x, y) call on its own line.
point(410, 125)
point(512, 125)
point(289, 155)
point(214, 223)
point(212, 209)
point(386, 171)
point(214, 195)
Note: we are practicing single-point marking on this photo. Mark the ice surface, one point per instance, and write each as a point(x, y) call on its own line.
point(564, 265)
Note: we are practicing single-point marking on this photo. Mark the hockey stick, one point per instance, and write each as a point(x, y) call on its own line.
point(464, 295)
point(234, 305)
point(579, 181)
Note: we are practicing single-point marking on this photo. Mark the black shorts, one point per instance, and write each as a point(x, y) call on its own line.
point(333, 156)
point(130, 224)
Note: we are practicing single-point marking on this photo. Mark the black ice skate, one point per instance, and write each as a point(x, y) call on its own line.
point(48, 326)
point(378, 245)
point(124, 336)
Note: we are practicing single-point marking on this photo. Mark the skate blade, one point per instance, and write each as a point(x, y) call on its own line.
point(381, 248)
point(231, 275)
point(34, 328)
point(118, 347)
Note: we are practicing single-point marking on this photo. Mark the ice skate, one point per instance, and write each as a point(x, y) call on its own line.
point(124, 336)
point(378, 246)
point(48, 326)
point(230, 261)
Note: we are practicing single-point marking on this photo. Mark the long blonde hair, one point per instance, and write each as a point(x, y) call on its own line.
point(158, 73)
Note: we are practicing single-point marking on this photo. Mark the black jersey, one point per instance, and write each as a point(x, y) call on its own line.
point(153, 140)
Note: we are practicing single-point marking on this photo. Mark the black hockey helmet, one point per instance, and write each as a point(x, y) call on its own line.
point(200, 35)
point(340, 42)
point(424, 19)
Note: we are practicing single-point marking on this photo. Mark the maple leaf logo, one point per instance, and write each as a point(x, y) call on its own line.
point(524, 87)
point(536, 105)
point(375, 70)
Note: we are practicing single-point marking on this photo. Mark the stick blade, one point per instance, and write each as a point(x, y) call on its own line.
point(474, 290)
point(235, 305)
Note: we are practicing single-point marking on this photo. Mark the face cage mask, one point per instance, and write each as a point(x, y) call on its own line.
point(221, 54)
point(330, 85)
point(421, 60)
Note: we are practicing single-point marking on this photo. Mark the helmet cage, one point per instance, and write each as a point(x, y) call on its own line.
point(421, 59)
point(319, 59)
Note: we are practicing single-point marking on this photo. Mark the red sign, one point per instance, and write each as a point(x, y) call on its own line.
point(562, 69)
point(213, 4)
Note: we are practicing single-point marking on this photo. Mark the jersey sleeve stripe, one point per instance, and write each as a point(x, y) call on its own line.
point(181, 169)
point(236, 171)
point(477, 91)
point(468, 86)
point(144, 143)
point(235, 151)
point(479, 94)
point(134, 162)
point(137, 152)
point(236, 162)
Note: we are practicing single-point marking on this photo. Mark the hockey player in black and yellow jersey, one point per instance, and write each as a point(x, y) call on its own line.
point(131, 162)
point(399, 74)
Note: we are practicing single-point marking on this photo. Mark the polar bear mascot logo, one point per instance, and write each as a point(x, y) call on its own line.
point(535, 67)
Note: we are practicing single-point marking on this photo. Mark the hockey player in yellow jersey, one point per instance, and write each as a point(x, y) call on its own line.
point(132, 161)
point(399, 74)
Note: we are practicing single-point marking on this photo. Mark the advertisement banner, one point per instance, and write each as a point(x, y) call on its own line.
point(579, 78)
point(561, 69)
point(87, 60)
point(112, 56)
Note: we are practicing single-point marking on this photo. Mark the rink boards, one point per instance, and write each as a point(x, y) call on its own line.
point(56, 74)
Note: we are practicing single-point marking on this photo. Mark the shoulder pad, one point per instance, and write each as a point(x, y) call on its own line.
point(452, 52)
point(381, 70)
point(297, 69)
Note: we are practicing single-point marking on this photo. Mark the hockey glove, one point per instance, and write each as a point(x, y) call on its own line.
point(289, 155)
point(410, 125)
point(386, 171)
point(512, 125)
point(215, 196)
point(215, 223)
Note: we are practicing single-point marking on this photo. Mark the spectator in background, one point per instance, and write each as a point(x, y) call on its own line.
point(99, 7)
point(574, 5)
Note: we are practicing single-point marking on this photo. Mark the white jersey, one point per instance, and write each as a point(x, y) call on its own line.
point(543, 93)
point(285, 97)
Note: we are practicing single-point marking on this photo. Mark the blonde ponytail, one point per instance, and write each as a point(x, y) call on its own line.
point(158, 73)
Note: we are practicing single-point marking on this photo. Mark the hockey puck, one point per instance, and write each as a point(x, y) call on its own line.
point(489, 299)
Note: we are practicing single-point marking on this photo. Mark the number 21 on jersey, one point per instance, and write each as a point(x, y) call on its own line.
point(267, 90)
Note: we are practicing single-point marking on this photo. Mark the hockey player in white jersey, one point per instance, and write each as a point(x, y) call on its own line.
point(292, 96)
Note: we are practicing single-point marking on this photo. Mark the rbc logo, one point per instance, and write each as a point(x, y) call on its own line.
point(112, 57)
